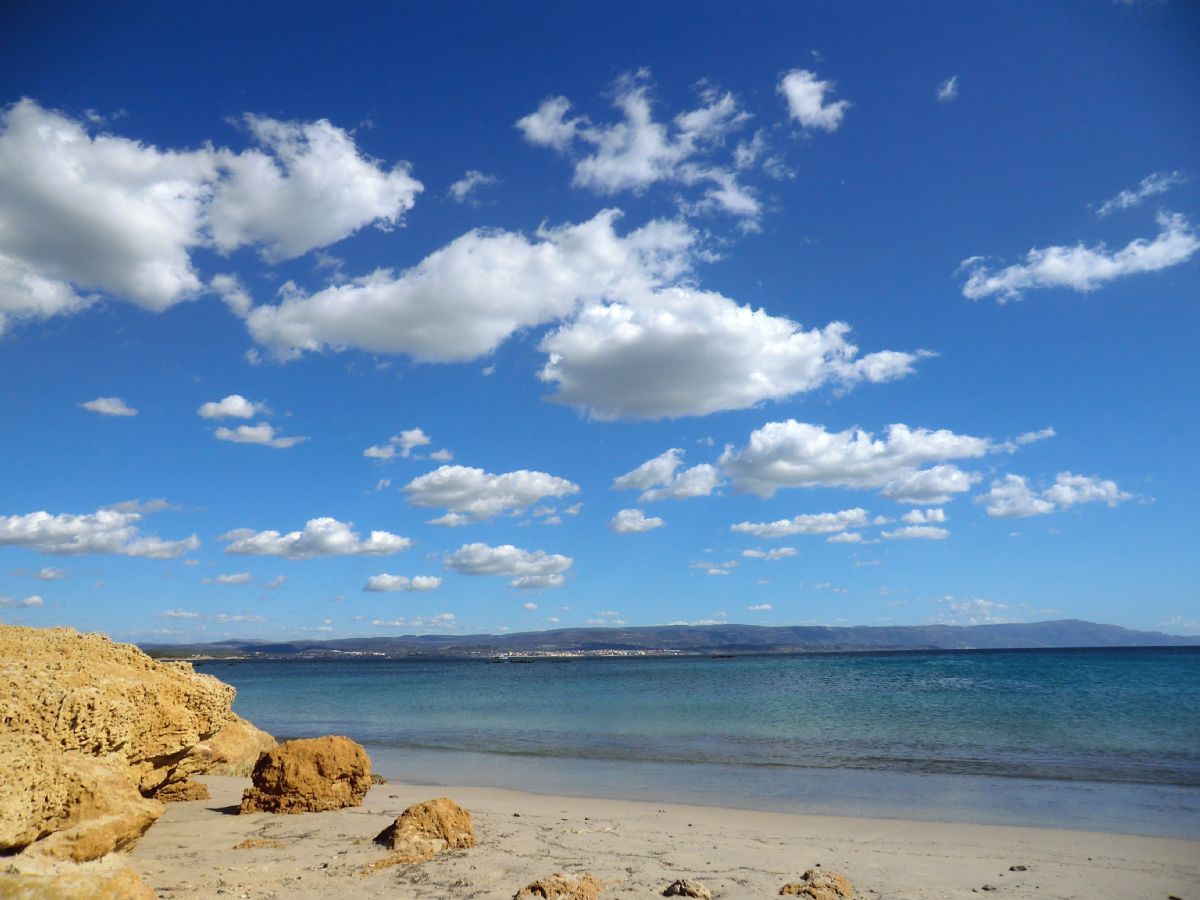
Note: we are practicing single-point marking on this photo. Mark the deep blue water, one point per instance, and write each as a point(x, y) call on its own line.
point(1103, 739)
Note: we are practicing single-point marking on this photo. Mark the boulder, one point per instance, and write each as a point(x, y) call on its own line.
point(22, 878)
point(310, 775)
point(426, 829)
point(560, 887)
point(685, 887)
point(181, 791)
point(818, 884)
point(233, 750)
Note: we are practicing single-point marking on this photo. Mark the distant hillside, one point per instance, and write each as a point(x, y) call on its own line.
point(705, 639)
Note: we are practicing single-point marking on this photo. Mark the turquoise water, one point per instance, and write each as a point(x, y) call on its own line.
point(1103, 739)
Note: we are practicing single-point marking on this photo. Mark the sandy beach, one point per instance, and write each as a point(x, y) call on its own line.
point(637, 849)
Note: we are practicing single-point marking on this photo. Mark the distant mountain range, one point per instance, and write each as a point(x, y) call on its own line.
point(699, 639)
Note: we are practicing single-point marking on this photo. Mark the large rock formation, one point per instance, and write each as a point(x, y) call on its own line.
point(90, 730)
point(310, 775)
point(22, 878)
point(818, 884)
point(234, 750)
point(426, 829)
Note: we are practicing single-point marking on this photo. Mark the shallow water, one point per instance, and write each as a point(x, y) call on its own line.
point(1106, 739)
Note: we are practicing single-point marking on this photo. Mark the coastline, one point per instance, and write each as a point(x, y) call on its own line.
point(637, 848)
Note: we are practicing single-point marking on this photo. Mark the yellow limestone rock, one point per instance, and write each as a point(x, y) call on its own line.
point(560, 887)
point(423, 831)
point(310, 775)
point(818, 884)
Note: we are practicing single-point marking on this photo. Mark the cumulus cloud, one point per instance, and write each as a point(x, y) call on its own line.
point(808, 523)
point(917, 532)
point(1032, 437)
point(106, 531)
point(773, 554)
point(235, 406)
point(236, 578)
point(948, 90)
point(109, 406)
point(473, 495)
point(961, 611)
point(50, 574)
point(806, 94)
point(320, 537)
point(275, 583)
point(403, 444)
point(634, 521)
point(1081, 268)
point(85, 214)
point(658, 479)
point(464, 189)
point(760, 607)
point(1151, 186)
point(28, 603)
point(441, 620)
point(394, 583)
point(638, 151)
point(262, 434)
point(845, 537)
point(680, 351)
point(936, 484)
point(923, 516)
point(1011, 496)
point(529, 570)
point(798, 454)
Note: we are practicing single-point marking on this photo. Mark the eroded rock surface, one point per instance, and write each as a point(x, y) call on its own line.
point(309, 775)
point(88, 729)
point(560, 887)
point(818, 884)
point(234, 750)
point(180, 791)
point(685, 887)
point(426, 829)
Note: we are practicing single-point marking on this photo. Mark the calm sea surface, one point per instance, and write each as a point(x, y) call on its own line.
point(1096, 739)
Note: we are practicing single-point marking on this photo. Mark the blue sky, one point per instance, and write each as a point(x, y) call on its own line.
point(484, 317)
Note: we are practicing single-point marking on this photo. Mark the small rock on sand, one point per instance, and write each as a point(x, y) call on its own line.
point(311, 775)
point(560, 887)
point(685, 887)
point(260, 844)
point(820, 885)
point(426, 829)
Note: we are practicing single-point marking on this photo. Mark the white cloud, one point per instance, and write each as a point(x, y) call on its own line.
point(465, 299)
point(106, 531)
point(275, 583)
point(179, 614)
point(473, 494)
point(974, 612)
point(440, 620)
point(393, 583)
point(1083, 268)
point(308, 187)
point(403, 443)
point(529, 570)
point(471, 182)
point(84, 213)
point(442, 455)
point(50, 574)
point(845, 537)
point(917, 532)
point(936, 484)
point(634, 521)
point(320, 537)
point(809, 523)
point(772, 554)
point(109, 406)
point(797, 454)
point(680, 351)
point(1150, 186)
point(923, 516)
point(637, 152)
point(1012, 497)
point(28, 603)
point(1031, 437)
point(948, 90)
point(760, 607)
point(235, 406)
point(262, 434)
point(529, 606)
point(806, 101)
point(657, 479)
point(236, 578)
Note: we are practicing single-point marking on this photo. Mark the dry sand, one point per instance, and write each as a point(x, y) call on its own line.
point(639, 848)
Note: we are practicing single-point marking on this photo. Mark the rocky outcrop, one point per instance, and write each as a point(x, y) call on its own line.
point(234, 750)
point(560, 887)
point(88, 730)
point(426, 829)
point(310, 775)
point(108, 879)
point(818, 884)
point(685, 887)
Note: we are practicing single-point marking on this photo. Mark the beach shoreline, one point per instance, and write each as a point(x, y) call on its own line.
point(637, 848)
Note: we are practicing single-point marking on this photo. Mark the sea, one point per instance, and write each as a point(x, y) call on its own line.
point(1102, 740)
